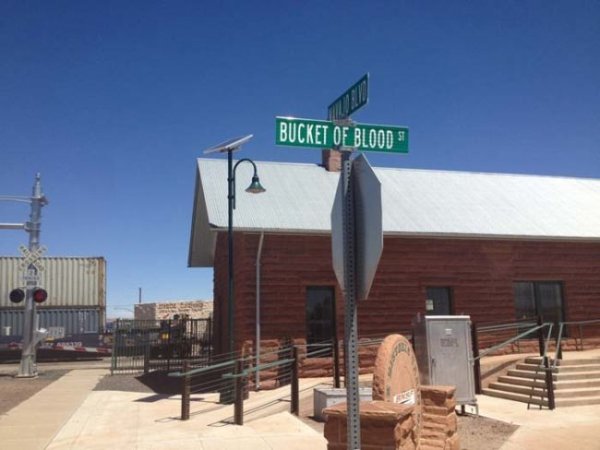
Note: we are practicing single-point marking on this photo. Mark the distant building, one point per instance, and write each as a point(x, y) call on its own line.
point(192, 309)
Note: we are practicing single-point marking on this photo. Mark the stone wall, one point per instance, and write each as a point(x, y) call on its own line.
point(439, 421)
point(390, 426)
point(383, 426)
point(479, 272)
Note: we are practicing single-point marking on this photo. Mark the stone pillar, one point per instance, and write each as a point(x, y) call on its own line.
point(439, 421)
point(383, 426)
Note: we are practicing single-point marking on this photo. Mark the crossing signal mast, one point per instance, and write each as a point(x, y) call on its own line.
point(31, 293)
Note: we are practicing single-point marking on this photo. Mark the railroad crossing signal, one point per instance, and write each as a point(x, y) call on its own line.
point(40, 295)
point(17, 295)
point(32, 257)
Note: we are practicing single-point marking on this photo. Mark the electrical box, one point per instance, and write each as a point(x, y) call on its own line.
point(444, 353)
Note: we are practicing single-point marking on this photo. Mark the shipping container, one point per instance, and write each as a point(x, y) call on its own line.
point(71, 282)
point(74, 320)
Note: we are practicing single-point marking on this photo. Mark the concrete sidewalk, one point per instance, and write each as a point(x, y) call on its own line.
point(36, 421)
point(111, 419)
point(68, 414)
point(566, 428)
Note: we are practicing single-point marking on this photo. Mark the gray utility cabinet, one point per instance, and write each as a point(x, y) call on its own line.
point(444, 354)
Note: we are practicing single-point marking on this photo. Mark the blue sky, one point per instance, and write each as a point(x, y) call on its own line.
point(113, 101)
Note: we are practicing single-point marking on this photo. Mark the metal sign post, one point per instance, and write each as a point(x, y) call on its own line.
point(357, 243)
point(28, 368)
point(356, 216)
point(351, 316)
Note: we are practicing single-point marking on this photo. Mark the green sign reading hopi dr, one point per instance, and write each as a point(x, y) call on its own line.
point(325, 134)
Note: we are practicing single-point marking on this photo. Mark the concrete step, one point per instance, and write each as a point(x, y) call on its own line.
point(577, 393)
point(578, 401)
point(561, 369)
point(517, 389)
point(577, 384)
point(515, 397)
point(564, 362)
point(558, 385)
point(533, 368)
point(576, 376)
point(555, 376)
point(521, 381)
point(579, 368)
point(528, 374)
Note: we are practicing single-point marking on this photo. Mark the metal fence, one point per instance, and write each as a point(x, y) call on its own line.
point(147, 345)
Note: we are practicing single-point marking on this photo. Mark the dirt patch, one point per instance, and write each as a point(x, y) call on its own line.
point(13, 390)
point(478, 433)
point(475, 433)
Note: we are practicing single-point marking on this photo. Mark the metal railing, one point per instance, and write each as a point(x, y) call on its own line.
point(580, 324)
point(229, 378)
point(229, 374)
point(531, 328)
point(547, 365)
point(145, 345)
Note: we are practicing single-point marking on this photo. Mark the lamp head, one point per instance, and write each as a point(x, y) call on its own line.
point(255, 187)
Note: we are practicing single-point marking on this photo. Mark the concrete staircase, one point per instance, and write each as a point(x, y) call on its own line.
point(576, 383)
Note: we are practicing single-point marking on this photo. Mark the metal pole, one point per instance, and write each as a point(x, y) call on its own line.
point(227, 394)
point(336, 347)
point(185, 392)
point(238, 407)
point(549, 383)
point(540, 336)
point(230, 282)
point(257, 319)
point(295, 387)
point(351, 319)
point(477, 362)
point(27, 368)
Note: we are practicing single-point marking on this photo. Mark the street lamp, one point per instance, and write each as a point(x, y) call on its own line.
point(255, 188)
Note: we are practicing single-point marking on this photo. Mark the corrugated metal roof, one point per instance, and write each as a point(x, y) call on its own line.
point(415, 203)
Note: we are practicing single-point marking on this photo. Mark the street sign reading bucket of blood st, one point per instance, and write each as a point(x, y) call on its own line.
point(326, 134)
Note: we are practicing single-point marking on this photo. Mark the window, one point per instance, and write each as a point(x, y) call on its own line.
point(438, 301)
point(320, 317)
point(539, 298)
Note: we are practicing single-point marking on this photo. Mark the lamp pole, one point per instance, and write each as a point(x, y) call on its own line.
point(255, 188)
point(230, 282)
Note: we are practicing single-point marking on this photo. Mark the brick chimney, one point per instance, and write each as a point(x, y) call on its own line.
point(331, 160)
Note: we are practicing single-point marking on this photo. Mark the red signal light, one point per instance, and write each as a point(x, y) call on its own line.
point(16, 295)
point(40, 295)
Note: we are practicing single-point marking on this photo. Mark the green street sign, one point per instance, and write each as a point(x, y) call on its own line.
point(354, 98)
point(325, 134)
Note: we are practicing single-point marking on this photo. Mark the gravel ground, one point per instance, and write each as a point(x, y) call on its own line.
point(476, 433)
point(481, 433)
point(16, 390)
